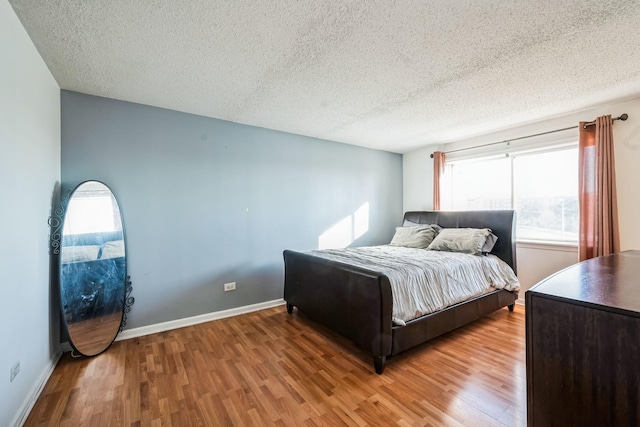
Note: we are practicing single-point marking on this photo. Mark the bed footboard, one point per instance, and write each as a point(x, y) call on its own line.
point(352, 301)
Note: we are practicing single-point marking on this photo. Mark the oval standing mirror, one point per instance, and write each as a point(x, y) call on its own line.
point(93, 274)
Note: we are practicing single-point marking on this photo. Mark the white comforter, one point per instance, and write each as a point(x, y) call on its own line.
point(424, 281)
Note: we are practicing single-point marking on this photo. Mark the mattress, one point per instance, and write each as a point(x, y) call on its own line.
point(425, 281)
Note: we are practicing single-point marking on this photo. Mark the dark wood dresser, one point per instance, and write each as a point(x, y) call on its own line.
point(583, 344)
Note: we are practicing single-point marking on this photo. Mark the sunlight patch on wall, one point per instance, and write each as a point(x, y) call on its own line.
point(361, 221)
point(345, 231)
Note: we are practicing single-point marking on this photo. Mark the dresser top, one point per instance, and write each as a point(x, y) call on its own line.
point(612, 282)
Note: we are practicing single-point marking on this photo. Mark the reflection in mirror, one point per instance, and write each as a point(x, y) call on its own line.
point(93, 273)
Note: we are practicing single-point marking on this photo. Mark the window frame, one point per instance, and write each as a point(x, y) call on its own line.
point(512, 153)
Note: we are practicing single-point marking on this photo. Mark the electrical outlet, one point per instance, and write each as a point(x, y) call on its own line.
point(15, 370)
point(230, 286)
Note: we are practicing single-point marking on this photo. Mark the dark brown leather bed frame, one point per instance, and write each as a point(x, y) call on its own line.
point(357, 303)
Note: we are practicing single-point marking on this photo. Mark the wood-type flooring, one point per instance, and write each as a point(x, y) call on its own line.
point(271, 368)
point(90, 335)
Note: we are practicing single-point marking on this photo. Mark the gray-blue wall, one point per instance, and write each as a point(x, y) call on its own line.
point(207, 202)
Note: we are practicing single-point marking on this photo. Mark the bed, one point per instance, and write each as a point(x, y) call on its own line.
point(357, 302)
point(92, 272)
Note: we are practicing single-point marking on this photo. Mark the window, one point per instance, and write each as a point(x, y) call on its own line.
point(542, 186)
point(92, 212)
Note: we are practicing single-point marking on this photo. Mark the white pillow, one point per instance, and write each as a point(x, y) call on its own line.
point(417, 236)
point(79, 253)
point(113, 249)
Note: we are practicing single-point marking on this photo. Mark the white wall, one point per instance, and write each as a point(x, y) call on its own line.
point(537, 262)
point(417, 180)
point(29, 172)
point(627, 144)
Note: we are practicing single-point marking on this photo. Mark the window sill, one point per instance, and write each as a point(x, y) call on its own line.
point(548, 245)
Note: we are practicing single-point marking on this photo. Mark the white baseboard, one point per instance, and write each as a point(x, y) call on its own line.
point(26, 407)
point(194, 320)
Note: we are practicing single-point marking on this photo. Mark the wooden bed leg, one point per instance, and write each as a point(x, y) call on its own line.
point(378, 362)
point(289, 308)
point(510, 307)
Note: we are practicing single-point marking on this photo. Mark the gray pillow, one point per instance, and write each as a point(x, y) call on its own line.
point(417, 236)
point(466, 240)
point(407, 223)
point(490, 242)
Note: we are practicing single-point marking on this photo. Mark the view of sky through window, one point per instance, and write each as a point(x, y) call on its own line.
point(541, 186)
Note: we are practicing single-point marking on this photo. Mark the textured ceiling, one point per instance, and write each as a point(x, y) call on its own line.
point(393, 75)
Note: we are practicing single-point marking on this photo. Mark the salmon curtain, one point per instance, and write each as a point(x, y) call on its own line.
point(438, 171)
point(598, 233)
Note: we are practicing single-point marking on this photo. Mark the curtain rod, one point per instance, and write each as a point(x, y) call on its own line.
point(622, 117)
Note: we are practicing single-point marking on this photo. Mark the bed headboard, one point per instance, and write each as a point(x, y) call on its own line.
point(501, 222)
